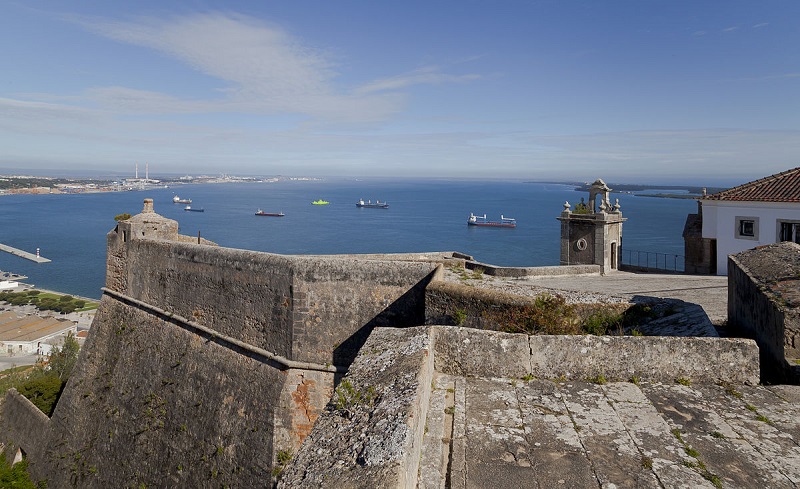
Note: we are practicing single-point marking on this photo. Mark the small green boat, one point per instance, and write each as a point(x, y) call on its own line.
point(320, 202)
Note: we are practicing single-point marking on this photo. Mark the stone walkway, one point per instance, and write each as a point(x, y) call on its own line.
point(505, 433)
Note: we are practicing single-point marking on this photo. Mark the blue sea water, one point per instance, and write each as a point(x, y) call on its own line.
point(424, 215)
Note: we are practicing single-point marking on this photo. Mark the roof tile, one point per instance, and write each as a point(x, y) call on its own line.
point(780, 187)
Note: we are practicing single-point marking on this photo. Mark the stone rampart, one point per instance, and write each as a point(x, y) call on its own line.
point(764, 302)
point(204, 362)
point(24, 425)
point(375, 442)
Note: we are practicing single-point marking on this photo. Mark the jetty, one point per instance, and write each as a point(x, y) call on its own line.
point(23, 254)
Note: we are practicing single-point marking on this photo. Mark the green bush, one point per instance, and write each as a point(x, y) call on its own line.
point(65, 298)
point(43, 390)
point(16, 476)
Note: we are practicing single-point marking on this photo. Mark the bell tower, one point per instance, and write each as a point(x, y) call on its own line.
point(592, 233)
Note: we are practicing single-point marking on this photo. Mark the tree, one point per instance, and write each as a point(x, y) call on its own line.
point(62, 360)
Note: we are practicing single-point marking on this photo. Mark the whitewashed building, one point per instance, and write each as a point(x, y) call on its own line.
point(760, 212)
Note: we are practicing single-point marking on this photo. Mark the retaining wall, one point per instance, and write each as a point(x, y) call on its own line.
point(764, 302)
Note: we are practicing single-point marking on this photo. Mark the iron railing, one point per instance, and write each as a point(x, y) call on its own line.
point(653, 260)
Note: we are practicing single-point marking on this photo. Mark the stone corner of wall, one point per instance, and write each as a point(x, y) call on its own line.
point(375, 421)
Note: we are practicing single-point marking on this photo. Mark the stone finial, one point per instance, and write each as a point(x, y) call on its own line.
point(148, 206)
point(616, 205)
point(566, 206)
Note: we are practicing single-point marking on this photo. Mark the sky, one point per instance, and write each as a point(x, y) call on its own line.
point(696, 92)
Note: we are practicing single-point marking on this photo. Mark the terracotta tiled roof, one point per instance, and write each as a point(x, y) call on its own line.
point(781, 187)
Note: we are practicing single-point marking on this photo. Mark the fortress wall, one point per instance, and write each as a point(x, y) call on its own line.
point(753, 311)
point(242, 294)
point(151, 403)
point(339, 300)
point(315, 309)
point(23, 426)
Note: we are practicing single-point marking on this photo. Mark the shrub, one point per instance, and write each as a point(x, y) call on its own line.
point(43, 391)
point(346, 398)
point(122, 217)
point(16, 476)
point(459, 316)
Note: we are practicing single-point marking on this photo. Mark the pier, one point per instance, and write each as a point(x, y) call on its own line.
point(23, 254)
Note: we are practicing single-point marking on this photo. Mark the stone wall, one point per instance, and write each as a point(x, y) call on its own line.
point(469, 352)
point(764, 303)
point(376, 443)
point(24, 425)
point(204, 362)
point(700, 255)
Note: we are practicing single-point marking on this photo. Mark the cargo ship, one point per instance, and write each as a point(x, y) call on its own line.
point(178, 200)
point(504, 222)
point(271, 214)
point(372, 205)
point(193, 209)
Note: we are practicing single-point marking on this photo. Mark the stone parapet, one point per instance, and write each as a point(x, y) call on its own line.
point(378, 443)
point(764, 303)
point(371, 432)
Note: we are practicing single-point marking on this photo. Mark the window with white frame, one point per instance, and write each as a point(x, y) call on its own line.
point(747, 228)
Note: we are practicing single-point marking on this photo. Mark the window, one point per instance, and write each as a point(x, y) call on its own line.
point(789, 231)
point(747, 228)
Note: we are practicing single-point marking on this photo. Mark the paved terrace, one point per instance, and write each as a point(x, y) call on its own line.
point(438, 407)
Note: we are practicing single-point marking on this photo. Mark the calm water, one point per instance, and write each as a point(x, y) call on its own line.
point(423, 216)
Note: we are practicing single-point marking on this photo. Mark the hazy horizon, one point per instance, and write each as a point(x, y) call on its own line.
point(660, 91)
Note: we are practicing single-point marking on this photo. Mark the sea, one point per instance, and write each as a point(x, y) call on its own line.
point(423, 215)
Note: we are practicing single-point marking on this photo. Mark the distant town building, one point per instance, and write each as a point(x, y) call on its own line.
point(760, 212)
point(31, 334)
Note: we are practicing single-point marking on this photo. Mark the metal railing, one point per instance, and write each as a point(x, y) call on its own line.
point(653, 260)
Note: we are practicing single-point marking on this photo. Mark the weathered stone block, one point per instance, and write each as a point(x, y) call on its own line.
point(476, 353)
point(657, 359)
point(371, 433)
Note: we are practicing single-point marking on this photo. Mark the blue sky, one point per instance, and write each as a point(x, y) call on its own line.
point(643, 90)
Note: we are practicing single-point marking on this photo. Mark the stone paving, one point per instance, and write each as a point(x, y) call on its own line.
point(540, 433)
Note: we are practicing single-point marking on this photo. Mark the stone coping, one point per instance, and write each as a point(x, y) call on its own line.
point(371, 432)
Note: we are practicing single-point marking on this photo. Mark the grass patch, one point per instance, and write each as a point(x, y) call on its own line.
point(347, 398)
point(459, 316)
point(551, 315)
point(599, 379)
point(684, 381)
